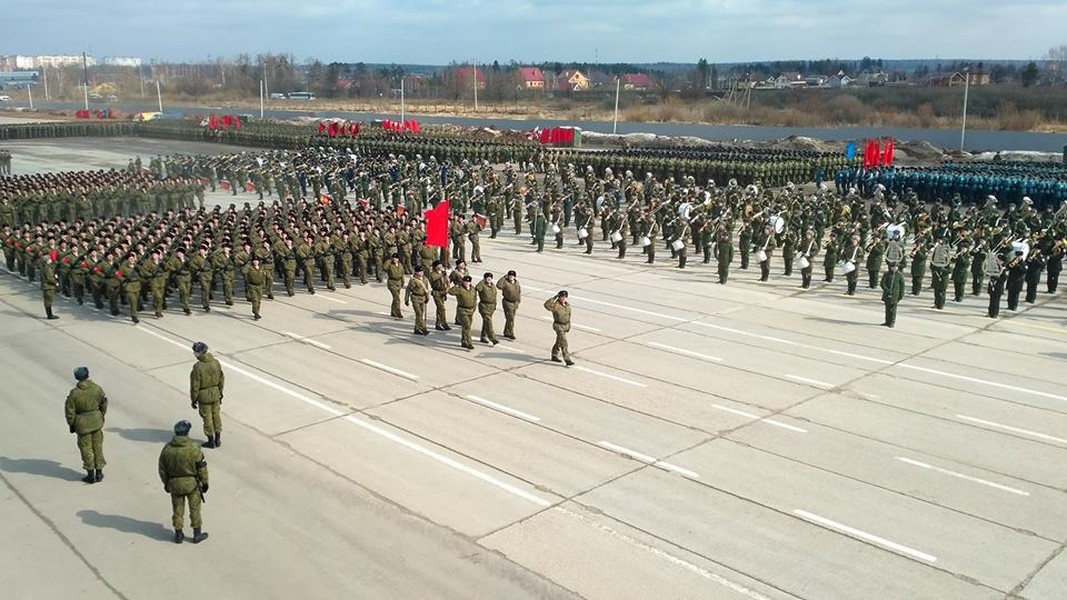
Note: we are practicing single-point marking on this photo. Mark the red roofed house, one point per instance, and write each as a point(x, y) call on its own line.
point(531, 78)
point(465, 75)
point(572, 81)
point(636, 81)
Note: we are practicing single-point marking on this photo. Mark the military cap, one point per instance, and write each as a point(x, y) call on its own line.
point(466, 278)
point(81, 373)
point(199, 347)
point(182, 427)
point(511, 273)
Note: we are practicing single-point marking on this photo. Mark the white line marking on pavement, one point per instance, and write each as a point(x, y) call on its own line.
point(674, 560)
point(985, 382)
point(325, 297)
point(585, 327)
point(620, 306)
point(301, 338)
point(448, 461)
point(962, 476)
point(758, 418)
point(504, 409)
point(882, 361)
point(811, 382)
point(863, 535)
point(686, 352)
point(393, 370)
point(609, 376)
point(648, 459)
point(384, 314)
point(1013, 429)
point(377, 430)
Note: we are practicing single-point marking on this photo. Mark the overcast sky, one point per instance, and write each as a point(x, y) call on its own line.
point(607, 31)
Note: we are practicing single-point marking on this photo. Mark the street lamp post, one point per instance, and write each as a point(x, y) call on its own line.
point(966, 89)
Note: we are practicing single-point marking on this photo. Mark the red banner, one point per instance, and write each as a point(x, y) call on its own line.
point(437, 225)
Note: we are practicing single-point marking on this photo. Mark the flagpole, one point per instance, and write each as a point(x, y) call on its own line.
point(44, 74)
point(29, 90)
point(475, 85)
point(615, 123)
point(261, 87)
point(401, 98)
point(159, 96)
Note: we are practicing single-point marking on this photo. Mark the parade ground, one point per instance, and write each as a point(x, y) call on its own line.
point(749, 440)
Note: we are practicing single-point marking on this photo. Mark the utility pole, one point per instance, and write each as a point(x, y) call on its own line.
point(401, 98)
point(474, 75)
point(159, 96)
point(85, 69)
point(44, 75)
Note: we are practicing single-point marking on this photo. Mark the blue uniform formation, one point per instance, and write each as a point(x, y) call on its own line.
point(1045, 184)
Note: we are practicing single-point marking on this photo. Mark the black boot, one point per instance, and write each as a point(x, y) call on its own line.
point(99, 475)
point(48, 311)
point(199, 536)
point(210, 443)
point(90, 476)
point(218, 440)
point(179, 536)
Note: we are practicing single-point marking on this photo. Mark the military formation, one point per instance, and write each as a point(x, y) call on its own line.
point(1011, 182)
point(317, 218)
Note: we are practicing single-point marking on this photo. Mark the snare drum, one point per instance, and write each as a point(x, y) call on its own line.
point(677, 245)
point(555, 229)
point(761, 256)
point(583, 233)
point(645, 242)
point(616, 237)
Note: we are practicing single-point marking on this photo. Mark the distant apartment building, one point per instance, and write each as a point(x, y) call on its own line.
point(16, 62)
point(122, 61)
point(56, 61)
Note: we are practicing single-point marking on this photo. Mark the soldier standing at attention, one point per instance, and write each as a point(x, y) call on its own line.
point(439, 285)
point(512, 292)
point(467, 300)
point(892, 293)
point(255, 278)
point(394, 272)
point(183, 471)
point(419, 290)
point(486, 307)
point(206, 382)
point(48, 283)
point(85, 409)
point(561, 324)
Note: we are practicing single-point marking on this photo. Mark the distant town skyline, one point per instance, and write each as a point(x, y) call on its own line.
point(439, 32)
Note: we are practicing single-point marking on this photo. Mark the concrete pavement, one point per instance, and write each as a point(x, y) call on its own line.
point(739, 441)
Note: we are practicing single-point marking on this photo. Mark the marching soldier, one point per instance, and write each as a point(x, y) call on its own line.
point(255, 279)
point(439, 285)
point(394, 283)
point(131, 277)
point(561, 324)
point(918, 266)
point(939, 263)
point(48, 283)
point(183, 471)
point(512, 292)
point(467, 300)
point(892, 293)
point(960, 269)
point(997, 275)
point(85, 409)
point(808, 249)
point(1016, 277)
point(851, 256)
point(487, 307)
point(206, 383)
point(418, 289)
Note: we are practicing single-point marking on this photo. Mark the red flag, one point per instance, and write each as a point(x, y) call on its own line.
point(437, 225)
point(889, 151)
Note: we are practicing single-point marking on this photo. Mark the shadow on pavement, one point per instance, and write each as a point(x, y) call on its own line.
point(155, 436)
point(151, 530)
point(38, 466)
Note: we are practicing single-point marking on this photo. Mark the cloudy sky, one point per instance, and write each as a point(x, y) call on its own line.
point(442, 31)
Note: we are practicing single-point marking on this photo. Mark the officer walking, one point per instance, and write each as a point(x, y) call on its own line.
point(418, 289)
point(206, 382)
point(183, 471)
point(561, 324)
point(85, 409)
point(486, 307)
